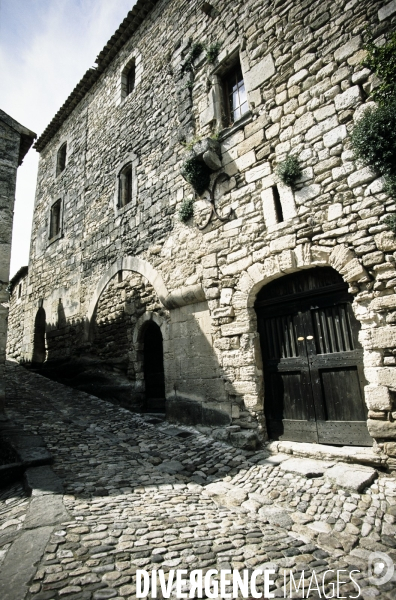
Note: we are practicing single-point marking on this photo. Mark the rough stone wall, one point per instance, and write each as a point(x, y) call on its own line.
point(12, 150)
point(301, 63)
point(16, 320)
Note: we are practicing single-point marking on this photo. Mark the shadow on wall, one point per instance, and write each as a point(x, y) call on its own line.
point(139, 353)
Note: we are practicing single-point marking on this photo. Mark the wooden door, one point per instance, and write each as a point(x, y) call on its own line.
point(313, 369)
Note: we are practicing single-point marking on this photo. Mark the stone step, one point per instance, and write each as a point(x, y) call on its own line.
point(347, 454)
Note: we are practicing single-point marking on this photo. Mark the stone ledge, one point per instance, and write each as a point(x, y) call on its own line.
point(348, 454)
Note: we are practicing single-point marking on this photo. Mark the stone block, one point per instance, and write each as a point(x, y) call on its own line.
point(244, 439)
point(353, 270)
point(381, 376)
point(321, 128)
point(377, 397)
point(390, 449)
point(269, 210)
point(383, 303)
point(307, 193)
point(225, 494)
point(381, 337)
point(283, 243)
point(237, 267)
point(382, 429)
point(305, 466)
point(351, 477)
point(226, 296)
point(387, 10)
point(360, 177)
point(385, 241)
point(373, 258)
point(251, 142)
point(340, 256)
point(335, 136)
point(348, 49)
point(286, 197)
point(210, 260)
point(258, 172)
point(245, 161)
point(276, 516)
point(258, 74)
point(227, 311)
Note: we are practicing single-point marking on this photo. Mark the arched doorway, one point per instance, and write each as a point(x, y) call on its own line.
point(39, 352)
point(313, 362)
point(154, 378)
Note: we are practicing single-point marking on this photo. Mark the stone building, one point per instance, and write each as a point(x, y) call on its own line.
point(15, 141)
point(270, 312)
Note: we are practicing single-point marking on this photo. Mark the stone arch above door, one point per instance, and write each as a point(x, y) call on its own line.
point(179, 297)
point(303, 256)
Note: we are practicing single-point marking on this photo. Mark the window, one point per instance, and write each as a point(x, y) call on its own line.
point(125, 186)
point(235, 98)
point(277, 204)
point(55, 219)
point(61, 159)
point(130, 80)
point(19, 290)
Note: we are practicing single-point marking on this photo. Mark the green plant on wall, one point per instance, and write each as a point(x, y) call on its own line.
point(212, 52)
point(382, 61)
point(197, 174)
point(186, 210)
point(195, 51)
point(374, 135)
point(289, 171)
point(390, 220)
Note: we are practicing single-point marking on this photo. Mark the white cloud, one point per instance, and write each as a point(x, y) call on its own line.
point(47, 45)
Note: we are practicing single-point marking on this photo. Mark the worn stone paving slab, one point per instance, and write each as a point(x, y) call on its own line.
point(351, 477)
point(125, 514)
point(306, 467)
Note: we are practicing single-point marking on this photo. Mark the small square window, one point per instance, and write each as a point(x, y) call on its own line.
point(235, 97)
point(55, 219)
point(61, 159)
point(125, 186)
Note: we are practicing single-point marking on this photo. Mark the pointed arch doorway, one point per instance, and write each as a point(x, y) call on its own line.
point(313, 362)
point(154, 377)
point(39, 350)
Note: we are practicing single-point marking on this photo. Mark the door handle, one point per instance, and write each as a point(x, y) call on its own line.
point(309, 337)
point(300, 339)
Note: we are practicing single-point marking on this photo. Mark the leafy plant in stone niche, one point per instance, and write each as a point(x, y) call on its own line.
point(197, 174)
point(186, 210)
point(212, 52)
point(289, 171)
point(195, 51)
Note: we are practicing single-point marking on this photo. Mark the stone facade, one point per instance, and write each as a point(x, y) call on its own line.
point(301, 63)
point(15, 141)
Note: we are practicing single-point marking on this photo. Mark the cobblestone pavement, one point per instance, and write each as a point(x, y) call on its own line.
point(139, 497)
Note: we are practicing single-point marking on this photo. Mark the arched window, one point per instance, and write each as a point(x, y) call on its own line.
point(61, 159)
point(125, 186)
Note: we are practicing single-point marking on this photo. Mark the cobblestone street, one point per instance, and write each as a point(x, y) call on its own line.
point(142, 494)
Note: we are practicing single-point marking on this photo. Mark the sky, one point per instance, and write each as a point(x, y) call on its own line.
point(45, 48)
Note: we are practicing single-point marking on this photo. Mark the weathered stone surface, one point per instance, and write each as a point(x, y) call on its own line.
point(225, 494)
point(378, 397)
point(305, 466)
point(355, 478)
point(42, 480)
point(45, 510)
point(276, 516)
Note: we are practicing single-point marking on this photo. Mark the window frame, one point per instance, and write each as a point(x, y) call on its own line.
point(52, 238)
point(236, 70)
point(133, 64)
point(131, 160)
point(61, 153)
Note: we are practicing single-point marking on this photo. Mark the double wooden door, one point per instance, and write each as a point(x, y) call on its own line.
point(313, 367)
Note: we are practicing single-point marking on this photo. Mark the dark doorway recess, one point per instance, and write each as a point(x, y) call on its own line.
point(154, 378)
point(39, 337)
point(313, 362)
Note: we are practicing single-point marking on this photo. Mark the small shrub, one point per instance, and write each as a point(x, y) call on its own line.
point(197, 174)
point(195, 51)
point(212, 52)
point(374, 140)
point(186, 210)
point(289, 171)
point(390, 220)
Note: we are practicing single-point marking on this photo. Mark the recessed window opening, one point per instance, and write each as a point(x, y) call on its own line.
point(278, 205)
point(119, 276)
point(19, 290)
point(130, 80)
point(55, 219)
point(125, 186)
point(61, 159)
point(235, 97)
